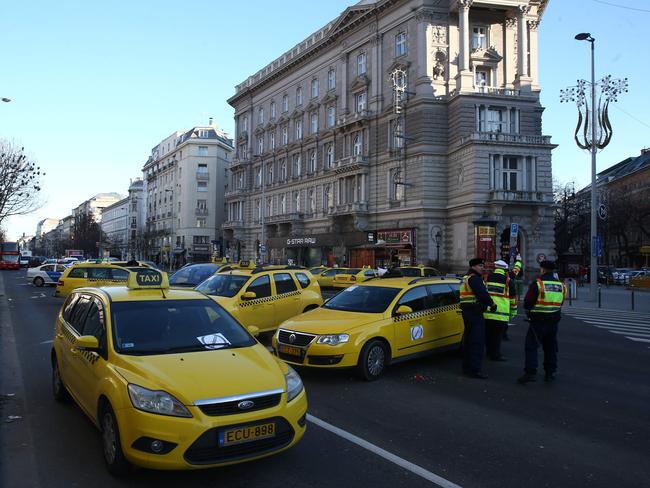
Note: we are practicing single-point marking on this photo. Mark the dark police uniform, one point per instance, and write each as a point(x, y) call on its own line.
point(502, 290)
point(543, 302)
point(474, 300)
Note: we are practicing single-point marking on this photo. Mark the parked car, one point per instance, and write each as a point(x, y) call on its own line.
point(191, 275)
point(619, 275)
point(45, 274)
point(638, 273)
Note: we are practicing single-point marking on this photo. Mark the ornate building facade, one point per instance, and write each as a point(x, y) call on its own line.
point(401, 132)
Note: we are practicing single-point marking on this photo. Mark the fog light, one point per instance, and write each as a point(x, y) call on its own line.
point(157, 446)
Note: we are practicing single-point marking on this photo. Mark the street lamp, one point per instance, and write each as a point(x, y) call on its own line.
point(438, 237)
point(593, 117)
point(171, 237)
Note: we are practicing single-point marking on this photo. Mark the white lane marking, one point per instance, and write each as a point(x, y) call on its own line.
point(611, 321)
point(637, 339)
point(403, 463)
point(604, 325)
point(630, 332)
point(47, 342)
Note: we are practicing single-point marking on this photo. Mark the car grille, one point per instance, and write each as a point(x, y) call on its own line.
point(206, 450)
point(229, 408)
point(300, 339)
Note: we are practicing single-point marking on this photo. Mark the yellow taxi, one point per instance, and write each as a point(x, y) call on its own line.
point(371, 325)
point(171, 380)
point(318, 270)
point(91, 274)
point(263, 296)
point(416, 271)
point(351, 276)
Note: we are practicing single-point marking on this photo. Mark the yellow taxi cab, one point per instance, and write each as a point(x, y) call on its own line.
point(351, 276)
point(326, 278)
point(415, 271)
point(263, 296)
point(171, 380)
point(318, 270)
point(374, 324)
point(90, 274)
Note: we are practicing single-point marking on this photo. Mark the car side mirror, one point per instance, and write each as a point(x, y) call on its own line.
point(254, 331)
point(87, 343)
point(249, 295)
point(403, 310)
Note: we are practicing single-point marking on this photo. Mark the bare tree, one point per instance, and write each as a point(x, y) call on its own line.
point(19, 182)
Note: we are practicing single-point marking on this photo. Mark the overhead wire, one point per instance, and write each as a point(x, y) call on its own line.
point(621, 6)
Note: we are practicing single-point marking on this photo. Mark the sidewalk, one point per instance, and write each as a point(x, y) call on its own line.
point(616, 297)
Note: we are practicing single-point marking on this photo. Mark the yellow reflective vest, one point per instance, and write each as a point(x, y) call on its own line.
point(498, 286)
point(550, 296)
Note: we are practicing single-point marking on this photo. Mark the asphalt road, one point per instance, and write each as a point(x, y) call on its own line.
point(423, 424)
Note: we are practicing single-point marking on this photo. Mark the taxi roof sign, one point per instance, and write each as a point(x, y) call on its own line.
point(147, 278)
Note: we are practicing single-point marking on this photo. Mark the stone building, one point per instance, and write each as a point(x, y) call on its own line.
point(401, 132)
point(114, 225)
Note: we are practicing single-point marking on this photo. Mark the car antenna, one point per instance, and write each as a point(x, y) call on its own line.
point(163, 292)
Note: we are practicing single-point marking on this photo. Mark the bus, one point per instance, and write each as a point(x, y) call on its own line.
point(9, 255)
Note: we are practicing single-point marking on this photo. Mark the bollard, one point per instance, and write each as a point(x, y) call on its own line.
point(632, 288)
point(598, 296)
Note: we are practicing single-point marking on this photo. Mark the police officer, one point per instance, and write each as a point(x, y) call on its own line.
point(514, 274)
point(502, 290)
point(474, 300)
point(543, 302)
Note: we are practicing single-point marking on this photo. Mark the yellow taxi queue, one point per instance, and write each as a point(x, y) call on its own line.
point(171, 379)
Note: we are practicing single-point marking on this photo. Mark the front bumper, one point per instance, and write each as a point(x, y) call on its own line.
point(192, 443)
point(320, 355)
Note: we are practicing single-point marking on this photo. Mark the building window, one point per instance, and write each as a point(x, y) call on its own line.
point(258, 176)
point(314, 88)
point(283, 169)
point(260, 115)
point(272, 140)
point(312, 161)
point(201, 240)
point(285, 135)
point(299, 96)
point(202, 204)
point(331, 116)
point(496, 120)
point(258, 209)
point(201, 186)
point(396, 188)
point(240, 180)
point(260, 145)
point(200, 222)
point(202, 168)
point(285, 103)
point(269, 207)
point(329, 158)
point(331, 79)
point(311, 201)
point(510, 174)
point(357, 145)
point(360, 100)
point(397, 135)
point(296, 199)
point(479, 37)
point(400, 44)
point(203, 150)
point(272, 110)
point(297, 165)
point(244, 123)
point(361, 64)
point(298, 123)
point(283, 204)
point(269, 174)
point(481, 78)
point(328, 197)
point(313, 123)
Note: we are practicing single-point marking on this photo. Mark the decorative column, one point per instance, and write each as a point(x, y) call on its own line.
point(523, 77)
point(534, 73)
point(376, 42)
point(423, 43)
point(344, 82)
point(464, 79)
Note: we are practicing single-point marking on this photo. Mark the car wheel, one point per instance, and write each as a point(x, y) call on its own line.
point(58, 388)
point(38, 281)
point(373, 360)
point(114, 458)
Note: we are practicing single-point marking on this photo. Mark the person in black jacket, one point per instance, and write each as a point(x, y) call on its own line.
point(474, 300)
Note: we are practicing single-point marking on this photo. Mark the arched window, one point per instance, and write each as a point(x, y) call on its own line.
point(357, 145)
point(312, 161)
point(313, 123)
point(283, 170)
point(283, 204)
point(296, 199)
point(330, 155)
point(314, 88)
point(272, 110)
point(299, 96)
point(285, 103)
point(331, 79)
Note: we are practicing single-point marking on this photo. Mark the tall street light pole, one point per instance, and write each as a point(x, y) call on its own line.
point(594, 113)
point(171, 237)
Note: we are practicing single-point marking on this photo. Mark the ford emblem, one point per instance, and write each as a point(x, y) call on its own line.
point(245, 405)
point(292, 338)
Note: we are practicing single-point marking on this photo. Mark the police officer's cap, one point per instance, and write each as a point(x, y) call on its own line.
point(501, 264)
point(550, 265)
point(475, 261)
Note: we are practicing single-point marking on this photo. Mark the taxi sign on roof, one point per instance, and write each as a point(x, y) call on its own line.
point(147, 278)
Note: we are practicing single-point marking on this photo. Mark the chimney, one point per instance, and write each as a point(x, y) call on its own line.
point(645, 150)
point(210, 121)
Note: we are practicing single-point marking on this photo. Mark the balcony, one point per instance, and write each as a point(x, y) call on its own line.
point(235, 192)
point(520, 196)
point(492, 90)
point(239, 161)
point(232, 224)
point(355, 208)
point(202, 175)
point(491, 137)
point(353, 118)
point(200, 211)
point(351, 163)
point(283, 218)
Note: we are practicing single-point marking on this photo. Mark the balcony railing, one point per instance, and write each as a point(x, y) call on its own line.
point(348, 209)
point(287, 217)
point(200, 211)
point(491, 90)
point(503, 137)
point(521, 196)
point(353, 117)
point(351, 163)
point(202, 175)
point(232, 224)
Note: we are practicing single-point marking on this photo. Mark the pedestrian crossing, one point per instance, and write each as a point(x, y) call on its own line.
point(634, 326)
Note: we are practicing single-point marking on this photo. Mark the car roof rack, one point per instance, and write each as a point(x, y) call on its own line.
point(260, 269)
point(424, 278)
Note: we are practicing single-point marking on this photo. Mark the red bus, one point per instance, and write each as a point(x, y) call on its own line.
point(9, 255)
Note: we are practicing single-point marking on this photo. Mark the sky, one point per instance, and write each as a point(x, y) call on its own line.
point(95, 85)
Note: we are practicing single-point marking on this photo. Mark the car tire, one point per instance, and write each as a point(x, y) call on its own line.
point(38, 281)
point(116, 462)
point(373, 360)
point(59, 390)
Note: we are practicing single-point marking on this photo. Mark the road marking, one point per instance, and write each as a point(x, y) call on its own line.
point(637, 339)
point(403, 463)
point(632, 327)
point(607, 321)
point(47, 342)
point(623, 332)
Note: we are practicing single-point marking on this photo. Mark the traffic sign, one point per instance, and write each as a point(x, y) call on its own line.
point(514, 230)
point(263, 249)
point(602, 211)
point(541, 257)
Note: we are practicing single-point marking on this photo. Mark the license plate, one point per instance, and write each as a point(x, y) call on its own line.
point(249, 433)
point(291, 350)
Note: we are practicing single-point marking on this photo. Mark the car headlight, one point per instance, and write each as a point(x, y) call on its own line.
point(158, 401)
point(294, 384)
point(333, 339)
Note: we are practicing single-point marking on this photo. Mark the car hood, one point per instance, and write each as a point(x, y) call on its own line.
point(327, 321)
point(206, 374)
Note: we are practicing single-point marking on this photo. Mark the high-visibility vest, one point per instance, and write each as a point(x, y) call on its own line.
point(550, 296)
point(466, 292)
point(516, 269)
point(500, 293)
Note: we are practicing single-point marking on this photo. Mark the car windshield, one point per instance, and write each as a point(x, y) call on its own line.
point(350, 271)
point(173, 326)
point(222, 285)
point(10, 258)
point(409, 271)
point(192, 275)
point(366, 299)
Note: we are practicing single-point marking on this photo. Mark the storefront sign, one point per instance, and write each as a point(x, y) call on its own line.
point(485, 230)
point(395, 236)
point(296, 241)
point(198, 248)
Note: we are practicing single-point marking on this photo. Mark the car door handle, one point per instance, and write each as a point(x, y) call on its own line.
point(431, 319)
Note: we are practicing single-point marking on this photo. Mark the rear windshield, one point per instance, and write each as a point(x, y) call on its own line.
point(223, 285)
point(367, 299)
point(173, 326)
point(409, 271)
point(191, 276)
point(351, 271)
